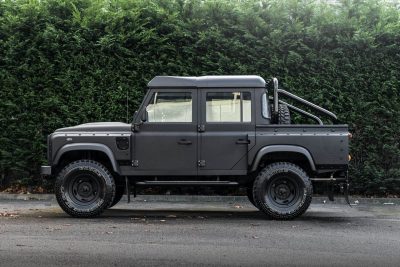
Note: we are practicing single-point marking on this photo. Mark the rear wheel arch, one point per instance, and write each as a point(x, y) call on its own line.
point(287, 153)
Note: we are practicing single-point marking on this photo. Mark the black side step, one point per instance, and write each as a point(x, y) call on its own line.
point(187, 183)
point(328, 179)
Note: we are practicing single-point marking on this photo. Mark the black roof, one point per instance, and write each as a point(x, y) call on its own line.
point(251, 81)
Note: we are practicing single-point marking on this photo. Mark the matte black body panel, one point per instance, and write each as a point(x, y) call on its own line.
point(169, 148)
point(98, 126)
point(223, 145)
point(64, 142)
point(327, 144)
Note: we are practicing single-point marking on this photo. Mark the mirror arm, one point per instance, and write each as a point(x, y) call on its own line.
point(136, 126)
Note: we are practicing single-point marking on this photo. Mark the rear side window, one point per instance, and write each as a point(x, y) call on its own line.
point(265, 107)
point(228, 107)
point(170, 107)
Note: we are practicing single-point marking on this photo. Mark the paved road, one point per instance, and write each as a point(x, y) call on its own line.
point(38, 233)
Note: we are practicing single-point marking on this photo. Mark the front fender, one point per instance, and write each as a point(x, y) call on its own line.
point(87, 146)
point(281, 148)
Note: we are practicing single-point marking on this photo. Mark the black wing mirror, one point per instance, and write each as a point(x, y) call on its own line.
point(145, 116)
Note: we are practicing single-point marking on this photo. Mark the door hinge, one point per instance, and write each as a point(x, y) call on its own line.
point(201, 163)
point(135, 163)
point(201, 128)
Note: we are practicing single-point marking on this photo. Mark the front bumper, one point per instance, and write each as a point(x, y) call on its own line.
point(45, 170)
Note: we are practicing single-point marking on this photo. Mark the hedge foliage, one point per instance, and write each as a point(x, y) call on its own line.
point(65, 62)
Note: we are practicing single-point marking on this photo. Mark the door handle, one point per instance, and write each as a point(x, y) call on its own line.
point(184, 142)
point(243, 141)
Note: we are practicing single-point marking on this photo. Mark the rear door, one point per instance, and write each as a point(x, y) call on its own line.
point(226, 130)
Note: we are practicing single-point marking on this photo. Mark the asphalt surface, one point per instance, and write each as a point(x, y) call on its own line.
point(38, 233)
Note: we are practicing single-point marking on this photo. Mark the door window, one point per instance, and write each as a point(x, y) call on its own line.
point(170, 107)
point(228, 107)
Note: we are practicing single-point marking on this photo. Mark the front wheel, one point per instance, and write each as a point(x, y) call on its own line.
point(119, 192)
point(282, 191)
point(84, 188)
point(249, 192)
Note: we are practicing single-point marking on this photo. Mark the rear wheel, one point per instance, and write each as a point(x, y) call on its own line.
point(84, 188)
point(283, 191)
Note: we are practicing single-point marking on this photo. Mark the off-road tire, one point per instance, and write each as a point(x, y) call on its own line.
point(283, 114)
point(268, 194)
point(119, 192)
point(74, 186)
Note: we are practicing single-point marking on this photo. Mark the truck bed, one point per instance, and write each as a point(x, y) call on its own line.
point(327, 144)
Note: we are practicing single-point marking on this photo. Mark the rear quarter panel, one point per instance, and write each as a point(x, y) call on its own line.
point(327, 144)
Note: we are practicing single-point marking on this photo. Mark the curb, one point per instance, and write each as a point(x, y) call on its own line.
point(46, 197)
point(185, 198)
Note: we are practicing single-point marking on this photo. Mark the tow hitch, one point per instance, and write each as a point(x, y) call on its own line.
point(346, 187)
point(343, 183)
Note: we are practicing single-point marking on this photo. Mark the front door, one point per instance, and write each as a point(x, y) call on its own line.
point(166, 144)
point(227, 131)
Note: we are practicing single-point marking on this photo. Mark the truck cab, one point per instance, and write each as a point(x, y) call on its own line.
point(202, 131)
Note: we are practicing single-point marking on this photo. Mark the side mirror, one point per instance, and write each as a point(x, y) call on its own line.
point(136, 125)
point(145, 116)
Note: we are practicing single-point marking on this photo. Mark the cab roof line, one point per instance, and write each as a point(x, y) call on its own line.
point(223, 81)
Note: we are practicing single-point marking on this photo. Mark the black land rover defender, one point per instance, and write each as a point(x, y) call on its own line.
point(203, 131)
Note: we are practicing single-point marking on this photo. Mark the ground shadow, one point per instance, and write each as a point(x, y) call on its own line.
point(120, 214)
point(227, 215)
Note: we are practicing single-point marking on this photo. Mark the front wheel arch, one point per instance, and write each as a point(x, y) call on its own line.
point(77, 151)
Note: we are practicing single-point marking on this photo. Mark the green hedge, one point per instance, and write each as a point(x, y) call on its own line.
point(69, 62)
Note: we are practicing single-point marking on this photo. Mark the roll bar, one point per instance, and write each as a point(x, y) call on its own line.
point(305, 113)
point(319, 109)
point(276, 88)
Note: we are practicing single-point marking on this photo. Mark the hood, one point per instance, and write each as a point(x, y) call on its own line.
point(98, 127)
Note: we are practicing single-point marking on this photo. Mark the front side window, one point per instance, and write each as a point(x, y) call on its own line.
point(228, 107)
point(170, 107)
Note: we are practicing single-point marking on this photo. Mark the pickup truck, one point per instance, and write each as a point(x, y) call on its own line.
point(203, 131)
